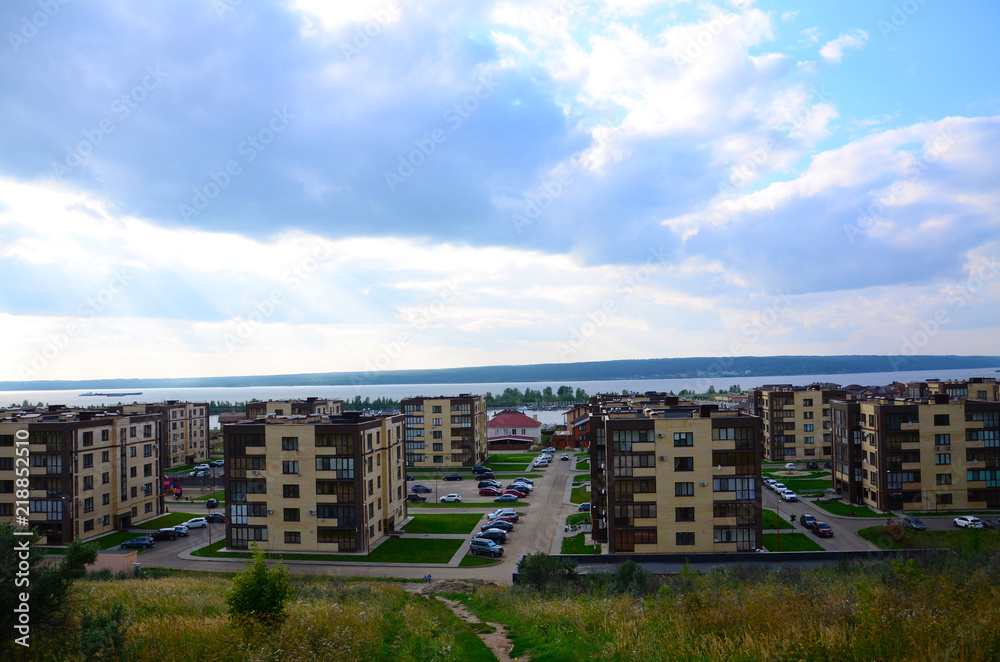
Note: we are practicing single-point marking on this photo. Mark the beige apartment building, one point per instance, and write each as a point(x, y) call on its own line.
point(186, 436)
point(974, 388)
point(307, 407)
point(918, 455)
point(674, 477)
point(314, 483)
point(90, 473)
point(796, 420)
point(445, 431)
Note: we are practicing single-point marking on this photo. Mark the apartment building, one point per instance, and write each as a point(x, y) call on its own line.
point(90, 473)
point(796, 420)
point(445, 431)
point(186, 436)
point(307, 407)
point(974, 388)
point(314, 483)
point(668, 476)
point(931, 454)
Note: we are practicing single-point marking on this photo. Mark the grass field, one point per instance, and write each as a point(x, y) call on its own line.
point(470, 561)
point(840, 508)
point(467, 504)
point(580, 495)
point(959, 540)
point(205, 496)
point(170, 519)
point(582, 465)
point(790, 542)
point(448, 523)
point(578, 545)
point(771, 521)
point(577, 518)
point(393, 550)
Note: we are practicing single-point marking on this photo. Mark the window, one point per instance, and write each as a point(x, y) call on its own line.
point(135, 492)
point(291, 514)
point(105, 499)
point(943, 499)
point(88, 525)
point(132, 472)
point(290, 491)
point(88, 482)
point(683, 464)
point(105, 435)
point(807, 414)
point(439, 447)
point(944, 479)
point(293, 537)
point(807, 402)
point(685, 538)
point(436, 409)
point(290, 467)
point(942, 440)
point(809, 440)
point(131, 451)
point(942, 419)
point(684, 489)
point(289, 443)
point(683, 514)
point(436, 434)
point(683, 439)
point(147, 469)
point(437, 422)
point(104, 456)
point(88, 438)
point(439, 459)
point(88, 460)
point(942, 458)
point(131, 431)
point(149, 506)
point(147, 450)
point(147, 430)
point(88, 504)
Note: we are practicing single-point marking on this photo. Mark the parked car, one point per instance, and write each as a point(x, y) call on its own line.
point(421, 488)
point(216, 463)
point(201, 467)
point(478, 469)
point(584, 507)
point(196, 523)
point(822, 529)
point(564, 456)
point(807, 520)
point(490, 483)
point(500, 518)
point(451, 498)
point(165, 534)
point(550, 449)
point(453, 477)
point(482, 547)
point(486, 474)
point(768, 482)
point(812, 465)
point(789, 465)
point(413, 497)
point(212, 503)
point(778, 487)
point(505, 498)
point(140, 542)
point(527, 486)
point(409, 477)
point(506, 513)
point(204, 473)
point(497, 524)
point(914, 524)
point(183, 531)
point(968, 522)
point(496, 536)
point(789, 495)
point(490, 491)
point(990, 523)
point(522, 479)
point(518, 487)
point(215, 518)
point(540, 464)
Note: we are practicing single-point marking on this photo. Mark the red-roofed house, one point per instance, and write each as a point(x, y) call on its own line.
point(578, 421)
point(512, 430)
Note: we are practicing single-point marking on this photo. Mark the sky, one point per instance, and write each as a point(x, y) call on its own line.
point(224, 187)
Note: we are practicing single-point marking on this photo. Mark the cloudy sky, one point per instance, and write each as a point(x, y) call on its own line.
point(226, 187)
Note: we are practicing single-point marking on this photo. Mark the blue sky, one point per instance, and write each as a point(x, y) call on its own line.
point(223, 187)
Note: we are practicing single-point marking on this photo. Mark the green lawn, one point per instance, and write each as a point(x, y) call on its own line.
point(771, 521)
point(577, 518)
point(582, 465)
point(580, 495)
point(578, 545)
point(581, 454)
point(959, 540)
point(170, 519)
point(467, 504)
point(205, 496)
point(840, 508)
point(449, 523)
point(470, 561)
point(393, 550)
point(803, 485)
point(790, 542)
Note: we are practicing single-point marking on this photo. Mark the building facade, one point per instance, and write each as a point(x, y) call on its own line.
point(309, 406)
point(512, 430)
point(674, 477)
point(89, 473)
point(445, 431)
point(930, 454)
point(796, 421)
point(185, 433)
point(316, 483)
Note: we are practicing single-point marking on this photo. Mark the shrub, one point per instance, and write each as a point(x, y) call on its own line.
point(259, 593)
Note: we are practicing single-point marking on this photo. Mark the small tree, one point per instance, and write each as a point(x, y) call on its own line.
point(540, 570)
point(259, 593)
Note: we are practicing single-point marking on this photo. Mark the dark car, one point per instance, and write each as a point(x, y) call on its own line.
point(584, 507)
point(812, 465)
point(165, 534)
point(453, 477)
point(497, 524)
point(478, 469)
point(807, 520)
point(505, 498)
point(489, 483)
point(409, 477)
point(822, 529)
point(913, 524)
point(498, 537)
point(486, 474)
point(216, 463)
point(421, 488)
point(413, 497)
point(142, 542)
point(216, 518)
point(212, 503)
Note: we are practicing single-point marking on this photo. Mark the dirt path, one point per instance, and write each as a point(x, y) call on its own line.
point(496, 640)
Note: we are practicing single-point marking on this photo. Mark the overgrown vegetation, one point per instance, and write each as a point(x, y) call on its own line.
point(259, 593)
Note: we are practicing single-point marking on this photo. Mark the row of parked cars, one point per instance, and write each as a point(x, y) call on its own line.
point(821, 529)
point(782, 491)
point(173, 532)
point(489, 541)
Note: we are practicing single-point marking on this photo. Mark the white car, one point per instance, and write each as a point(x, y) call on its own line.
point(790, 466)
point(201, 467)
point(968, 522)
point(451, 498)
point(550, 449)
point(768, 482)
point(778, 487)
point(789, 495)
point(526, 486)
point(196, 523)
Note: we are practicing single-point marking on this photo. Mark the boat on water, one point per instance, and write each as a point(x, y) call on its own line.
point(109, 395)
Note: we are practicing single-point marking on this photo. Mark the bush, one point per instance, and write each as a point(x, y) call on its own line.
point(102, 634)
point(540, 571)
point(259, 593)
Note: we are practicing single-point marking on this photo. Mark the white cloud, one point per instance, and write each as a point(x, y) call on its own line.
point(833, 51)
